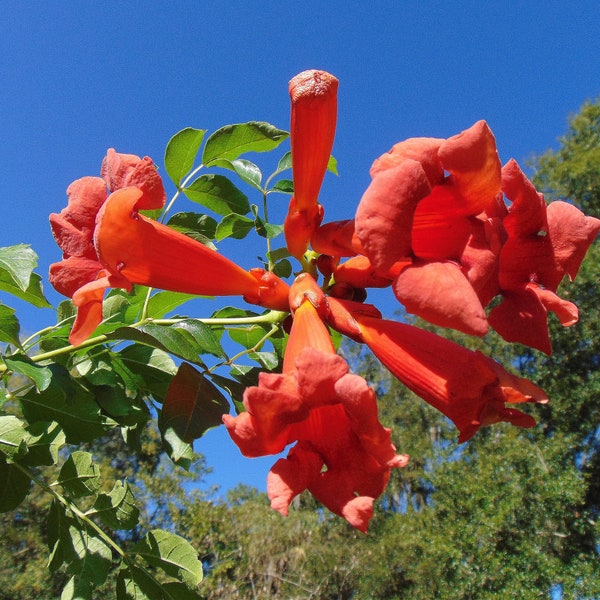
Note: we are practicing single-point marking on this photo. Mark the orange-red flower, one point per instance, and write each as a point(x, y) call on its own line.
point(544, 244)
point(107, 243)
point(314, 113)
point(468, 387)
point(343, 455)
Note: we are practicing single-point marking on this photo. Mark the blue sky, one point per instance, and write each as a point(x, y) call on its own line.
point(78, 78)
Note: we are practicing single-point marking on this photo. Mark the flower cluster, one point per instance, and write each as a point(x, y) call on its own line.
point(442, 223)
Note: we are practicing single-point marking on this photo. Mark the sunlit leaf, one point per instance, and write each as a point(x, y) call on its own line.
point(245, 169)
point(79, 476)
point(180, 452)
point(12, 434)
point(267, 230)
point(332, 165)
point(218, 194)
point(181, 152)
point(235, 226)
point(285, 162)
point(193, 405)
point(39, 375)
point(9, 326)
point(33, 292)
point(233, 140)
point(268, 360)
point(18, 261)
point(246, 335)
point(171, 553)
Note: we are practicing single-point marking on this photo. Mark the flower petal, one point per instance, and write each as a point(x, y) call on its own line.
point(472, 159)
point(440, 293)
point(384, 217)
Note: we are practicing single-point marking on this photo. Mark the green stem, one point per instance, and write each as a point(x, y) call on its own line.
point(273, 316)
point(79, 514)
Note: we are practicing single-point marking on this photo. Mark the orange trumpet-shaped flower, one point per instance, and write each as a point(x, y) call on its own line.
point(545, 243)
point(468, 387)
point(430, 230)
point(107, 243)
point(343, 455)
point(312, 130)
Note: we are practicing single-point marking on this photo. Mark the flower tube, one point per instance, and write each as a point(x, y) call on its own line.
point(343, 455)
point(313, 96)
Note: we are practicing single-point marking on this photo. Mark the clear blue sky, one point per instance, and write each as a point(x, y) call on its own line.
point(78, 78)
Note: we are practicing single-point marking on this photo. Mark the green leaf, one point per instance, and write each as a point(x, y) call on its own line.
point(135, 583)
point(19, 262)
point(246, 335)
point(79, 476)
point(233, 140)
point(193, 405)
point(33, 293)
point(12, 434)
point(218, 194)
point(69, 405)
point(181, 152)
point(9, 326)
point(197, 226)
point(87, 557)
point(154, 367)
point(117, 509)
point(267, 230)
point(283, 268)
point(269, 360)
point(332, 165)
point(77, 589)
point(171, 553)
point(285, 163)
point(20, 363)
point(285, 186)
point(180, 452)
point(235, 226)
point(14, 486)
point(43, 440)
point(245, 169)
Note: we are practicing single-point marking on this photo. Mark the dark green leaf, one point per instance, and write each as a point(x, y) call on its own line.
point(68, 404)
point(235, 226)
point(218, 194)
point(79, 476)
point(12, 434)
point(9, 326)
point(14, 486)
point(285, 186)
point(193, 405)
point(43, 440)
point(171, 553)
point(155, 368)
point(197, 226)
point(283, 268)
point(20, 363)
point(181, 152)
point(18, 262)
point(135, 583)
point(233, 140)
point(86, 556)
point(33, 293)
point(117, 509)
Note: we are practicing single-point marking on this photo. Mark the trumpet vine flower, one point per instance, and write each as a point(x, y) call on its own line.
point(313, 96)
point(106, 242)
point(343, 455)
